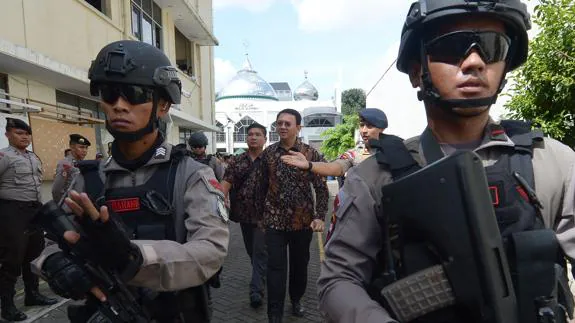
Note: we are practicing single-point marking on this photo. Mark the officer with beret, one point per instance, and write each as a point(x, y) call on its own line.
point(20, 242)
point(66, 168)
point(372, 122)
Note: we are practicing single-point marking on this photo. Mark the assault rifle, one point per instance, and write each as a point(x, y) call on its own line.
point(120, 305)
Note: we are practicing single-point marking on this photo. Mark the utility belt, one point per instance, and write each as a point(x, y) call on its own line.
point(192, 305)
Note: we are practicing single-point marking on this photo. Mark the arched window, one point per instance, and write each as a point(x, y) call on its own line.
point(274, 135)
point(220, 135)
point(241, 129)
point(319, 122)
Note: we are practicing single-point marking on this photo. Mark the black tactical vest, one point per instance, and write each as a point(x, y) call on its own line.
point(511, 184)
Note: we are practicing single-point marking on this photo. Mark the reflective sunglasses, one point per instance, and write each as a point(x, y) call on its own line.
point(453, 47)
point(134, 94)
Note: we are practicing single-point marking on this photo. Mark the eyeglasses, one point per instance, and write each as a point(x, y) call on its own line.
point(197, 147)
point(453, 47)
point(134, 94)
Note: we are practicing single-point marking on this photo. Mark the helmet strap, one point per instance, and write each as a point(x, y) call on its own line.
point(429, 94)
point(152, 125)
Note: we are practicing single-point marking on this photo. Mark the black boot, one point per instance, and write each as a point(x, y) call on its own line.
point(297, 309)
point(9, 311)
point(275, 318)
point(33, 298)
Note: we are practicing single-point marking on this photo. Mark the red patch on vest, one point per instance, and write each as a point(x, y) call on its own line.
point(497, 132)
point(494, 190)
point(522, 193)
point(216, 185)
point(124, 205)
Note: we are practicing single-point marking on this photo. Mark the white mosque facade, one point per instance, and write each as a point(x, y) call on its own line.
point(248, 98)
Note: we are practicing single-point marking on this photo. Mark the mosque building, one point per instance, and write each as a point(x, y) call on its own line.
point(248, 98)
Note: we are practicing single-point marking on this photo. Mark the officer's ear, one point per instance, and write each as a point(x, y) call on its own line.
point(163, 108)
point(415, 74)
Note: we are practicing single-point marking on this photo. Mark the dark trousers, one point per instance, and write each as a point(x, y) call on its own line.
point(20, 243)
point(277, 244)
point(254, 241)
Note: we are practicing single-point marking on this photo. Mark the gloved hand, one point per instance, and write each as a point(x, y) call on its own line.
point(65, 277)
point(104, 240)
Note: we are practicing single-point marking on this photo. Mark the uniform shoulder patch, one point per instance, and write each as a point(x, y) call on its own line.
point(215, 184)
point(219, 206)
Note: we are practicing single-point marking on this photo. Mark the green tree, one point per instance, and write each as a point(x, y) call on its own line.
point(544, 88)
point(352, 101)
point(339, 139)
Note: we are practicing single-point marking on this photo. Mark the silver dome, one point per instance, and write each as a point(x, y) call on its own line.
point(306, 91)
point(247, 84)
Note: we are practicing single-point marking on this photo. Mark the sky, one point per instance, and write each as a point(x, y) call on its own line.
point(340, 43)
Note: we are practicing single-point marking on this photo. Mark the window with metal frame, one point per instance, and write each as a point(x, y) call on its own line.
point(274, 135)
point(220, 135)
point(241, 129)
point(147, 22)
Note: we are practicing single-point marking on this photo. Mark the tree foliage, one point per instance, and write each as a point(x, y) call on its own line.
point(340, 139)
point(544, 88)
point(352, 101)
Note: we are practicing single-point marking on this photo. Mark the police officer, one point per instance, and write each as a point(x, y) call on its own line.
point(172, 206)
point(20, 241)
point(457, 53)
point(66, 168)
point(372, 122)
point(198, 143)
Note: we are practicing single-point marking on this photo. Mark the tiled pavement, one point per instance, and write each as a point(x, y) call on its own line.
point(231, 301)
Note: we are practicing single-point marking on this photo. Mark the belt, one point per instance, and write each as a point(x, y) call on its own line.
point(25, 203)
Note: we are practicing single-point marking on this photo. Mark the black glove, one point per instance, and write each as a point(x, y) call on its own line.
point(109, 246)
point(65, 277)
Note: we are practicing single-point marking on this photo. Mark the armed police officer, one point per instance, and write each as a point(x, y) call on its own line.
point(66, 168)
point(171, 205)
point(198, 143)
point(457, 52)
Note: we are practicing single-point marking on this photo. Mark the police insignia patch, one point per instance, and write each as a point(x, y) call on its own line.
point(216, 184)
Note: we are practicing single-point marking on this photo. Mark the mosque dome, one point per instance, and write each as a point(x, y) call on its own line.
point(306, 91)
point(247, 84)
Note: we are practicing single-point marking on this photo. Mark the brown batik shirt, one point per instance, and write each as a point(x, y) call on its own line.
point(242, 175)
point(284, 197)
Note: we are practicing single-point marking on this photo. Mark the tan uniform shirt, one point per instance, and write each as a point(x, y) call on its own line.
point(21, 175)
point(65, 172)
point(353, 157)
point(356, 239)
point(201, 222)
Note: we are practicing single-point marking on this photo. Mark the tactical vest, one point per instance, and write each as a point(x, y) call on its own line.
point(148, 214)
point(511, 185)
point(206, 160)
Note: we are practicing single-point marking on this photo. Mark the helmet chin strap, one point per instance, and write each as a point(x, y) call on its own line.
point(138, 134)
point(429, 93)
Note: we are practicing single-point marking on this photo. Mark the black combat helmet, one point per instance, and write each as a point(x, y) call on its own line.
point(128, 62)
point(198, 139)
point(423, 14)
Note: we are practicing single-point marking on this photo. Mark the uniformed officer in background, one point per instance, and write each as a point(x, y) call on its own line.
point(198, 143)
point(372, 122)
point(66, 168)
point(457, 52)
point(171, 205)
point(20, 242)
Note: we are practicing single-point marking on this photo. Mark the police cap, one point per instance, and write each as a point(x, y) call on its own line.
point(375, 117)
point(13, 123)
point(79, 139)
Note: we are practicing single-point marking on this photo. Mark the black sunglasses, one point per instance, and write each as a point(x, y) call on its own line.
point(134, 94)
point(198, 146)
point(453, 47)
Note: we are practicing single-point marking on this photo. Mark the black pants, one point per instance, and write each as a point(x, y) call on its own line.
point(20, 243)
point(254, 241)
point(277, 244)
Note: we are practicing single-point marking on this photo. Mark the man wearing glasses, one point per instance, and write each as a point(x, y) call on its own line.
point(457, 52)
point(171, 206)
